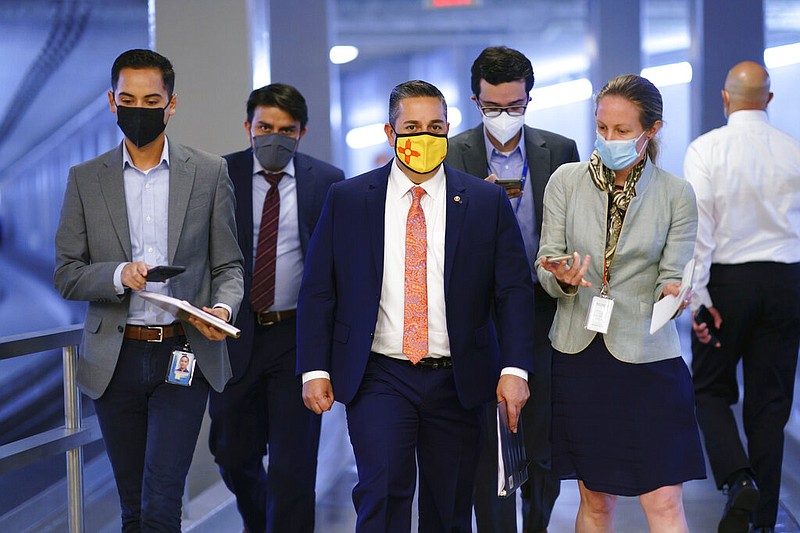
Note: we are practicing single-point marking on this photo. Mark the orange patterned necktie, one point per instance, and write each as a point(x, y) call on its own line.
point(415, 317)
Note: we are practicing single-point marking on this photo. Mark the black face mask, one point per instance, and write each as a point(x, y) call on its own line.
point(141, 125)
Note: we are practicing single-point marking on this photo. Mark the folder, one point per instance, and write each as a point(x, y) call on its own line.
point(183, 309)
point(512, 463)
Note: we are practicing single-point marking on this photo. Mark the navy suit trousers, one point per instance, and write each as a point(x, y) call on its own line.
point(265, 408)
point(403, 416)
point(150, 429)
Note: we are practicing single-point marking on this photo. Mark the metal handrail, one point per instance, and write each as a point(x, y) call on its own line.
point(73, 436)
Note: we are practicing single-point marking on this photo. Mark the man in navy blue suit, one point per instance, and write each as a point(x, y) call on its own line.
point(406, 265)
point(279, 196)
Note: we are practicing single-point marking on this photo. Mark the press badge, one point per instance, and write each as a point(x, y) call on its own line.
point(599, 315)
point(181, 368)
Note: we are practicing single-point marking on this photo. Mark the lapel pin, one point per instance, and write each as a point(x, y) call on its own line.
point(457, 198)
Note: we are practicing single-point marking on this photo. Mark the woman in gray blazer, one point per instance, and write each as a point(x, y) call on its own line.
point(623, 406)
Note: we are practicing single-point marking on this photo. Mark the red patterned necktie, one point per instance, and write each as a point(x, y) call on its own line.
point(415, 317)
point(262, 293)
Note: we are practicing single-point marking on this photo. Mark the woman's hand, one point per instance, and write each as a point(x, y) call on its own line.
point(674, 289)
point(569, 275)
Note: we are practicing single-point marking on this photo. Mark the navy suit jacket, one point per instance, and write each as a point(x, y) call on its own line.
point(484, 266)
point(313, 179)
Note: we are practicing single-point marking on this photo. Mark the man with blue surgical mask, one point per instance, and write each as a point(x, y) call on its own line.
point(521, 159)
point(279, 195)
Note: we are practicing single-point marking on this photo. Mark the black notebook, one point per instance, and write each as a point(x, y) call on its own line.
point(512, 464)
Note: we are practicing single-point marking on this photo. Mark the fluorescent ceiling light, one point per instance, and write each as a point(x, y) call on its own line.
point(666, 75)
point(365, 136)
point(781, 56)
point(343, 54)
point(560, 94)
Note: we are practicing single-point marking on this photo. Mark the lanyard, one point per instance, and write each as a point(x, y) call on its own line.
point(523, 180)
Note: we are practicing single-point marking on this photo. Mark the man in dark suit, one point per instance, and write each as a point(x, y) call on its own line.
point(148, 202)
point(394, 315)
point(504, 149)
point(279, 196)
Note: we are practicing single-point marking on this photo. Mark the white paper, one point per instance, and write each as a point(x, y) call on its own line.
point(182, 309)
point(667, 307)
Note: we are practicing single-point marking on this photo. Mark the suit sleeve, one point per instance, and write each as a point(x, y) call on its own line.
point(76, 277)
point(224, 254)
point(514, 300)
point(553, 239)
point(681, 235)
point(317, 298)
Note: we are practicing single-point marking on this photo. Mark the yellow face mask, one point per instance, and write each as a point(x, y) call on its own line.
point(420, 152)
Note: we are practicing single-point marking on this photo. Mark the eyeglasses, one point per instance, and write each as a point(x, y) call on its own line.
point(512, 111)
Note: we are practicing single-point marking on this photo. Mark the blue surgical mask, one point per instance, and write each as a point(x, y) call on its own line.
point(617, 155)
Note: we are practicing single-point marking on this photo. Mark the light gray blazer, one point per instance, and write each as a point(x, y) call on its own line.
point(93, 239)
point(656, 242)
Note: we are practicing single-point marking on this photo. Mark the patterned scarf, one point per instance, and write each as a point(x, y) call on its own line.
point(618, 200)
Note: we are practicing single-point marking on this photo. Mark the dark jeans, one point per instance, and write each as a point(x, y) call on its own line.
point(150, 429)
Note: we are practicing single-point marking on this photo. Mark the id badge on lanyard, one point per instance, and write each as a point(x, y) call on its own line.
point(599, 316)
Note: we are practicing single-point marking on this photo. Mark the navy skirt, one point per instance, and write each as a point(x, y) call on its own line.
point(623, 428)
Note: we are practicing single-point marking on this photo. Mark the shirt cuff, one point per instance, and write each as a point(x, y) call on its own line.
point(227, 308)
point(514, 371)
point(119, 288)
point(315, 374)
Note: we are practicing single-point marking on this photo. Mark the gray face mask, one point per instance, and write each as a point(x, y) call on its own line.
point(273, 150)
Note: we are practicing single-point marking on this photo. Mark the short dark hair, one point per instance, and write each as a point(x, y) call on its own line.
point(412, 89)
point(643, 94)
point(139, 59)
point(282, 96)
point(500, 64)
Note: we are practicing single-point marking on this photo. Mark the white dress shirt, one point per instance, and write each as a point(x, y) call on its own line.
point(746, 176)
point(389, 327)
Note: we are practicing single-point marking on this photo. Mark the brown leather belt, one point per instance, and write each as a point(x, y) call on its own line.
point(273, 317)
point(153, 333)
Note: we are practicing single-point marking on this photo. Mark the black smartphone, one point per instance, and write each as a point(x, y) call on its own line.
point(510, 184)
point(164, 272)
point(704, 316)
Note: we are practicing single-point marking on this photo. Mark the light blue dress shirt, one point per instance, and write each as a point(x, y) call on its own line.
point(147, 202)
point(511, 166)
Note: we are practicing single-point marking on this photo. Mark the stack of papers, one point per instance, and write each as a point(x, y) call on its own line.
point(183, 309)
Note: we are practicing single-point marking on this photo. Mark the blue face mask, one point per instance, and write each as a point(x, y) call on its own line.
point(617, 155)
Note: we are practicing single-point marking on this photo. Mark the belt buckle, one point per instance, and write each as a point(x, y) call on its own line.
point(266, 322)
point(160, 330)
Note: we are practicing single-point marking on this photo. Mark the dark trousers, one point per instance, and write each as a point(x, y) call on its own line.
point(150, 429)
point(494, 514)
point(265, 408)
point(403, 416)
point(760, 308)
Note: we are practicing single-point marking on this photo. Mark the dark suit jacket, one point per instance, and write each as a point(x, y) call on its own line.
point(313, 179)
point(93, 239)
point(546, 152)
point(484, 263)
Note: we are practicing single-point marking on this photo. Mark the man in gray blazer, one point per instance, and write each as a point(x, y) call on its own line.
point(522, 158)
point(148, 202)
